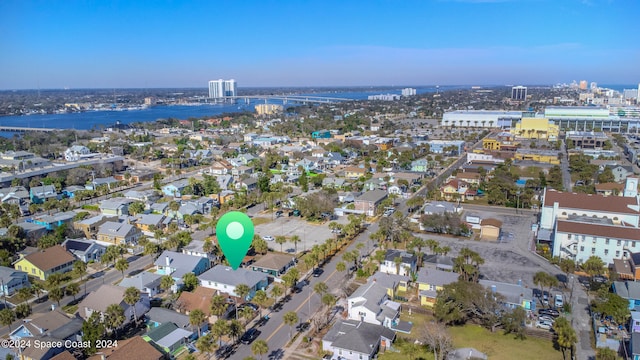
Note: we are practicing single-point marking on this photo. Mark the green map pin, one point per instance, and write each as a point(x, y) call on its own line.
point(235, 234)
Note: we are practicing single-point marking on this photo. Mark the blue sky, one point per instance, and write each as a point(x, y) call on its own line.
point(105, 44)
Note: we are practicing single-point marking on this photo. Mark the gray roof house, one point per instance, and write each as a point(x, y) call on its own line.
point(370, 303)
point(118, 233)
point(351, 339)
point(177, 264)
point(514, 295)
point(225, 280)
point(48, 323)
point(408, 262)
point(146, 282)
point(629, 291)
point(158, 315)
point(84, 250)
point(12, 280)
point(430, 280)
point(115, 206)
point(440, 207)
point(107, 294)
point(367, 202)
point(440, 262)
point(146, 196)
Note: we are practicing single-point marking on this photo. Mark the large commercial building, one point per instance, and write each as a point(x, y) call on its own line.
point(268, 109)
point(593, 118)
point(222, 88)
point(519, 93)
point(481, 118)
point(535, 128)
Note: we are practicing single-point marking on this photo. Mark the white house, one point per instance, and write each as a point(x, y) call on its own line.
point(355, 340)
point(370, 303)
point(225, 280)
point(407, 265)
point(76, 152)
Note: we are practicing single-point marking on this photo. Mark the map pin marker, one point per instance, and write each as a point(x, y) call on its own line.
point(235, 234)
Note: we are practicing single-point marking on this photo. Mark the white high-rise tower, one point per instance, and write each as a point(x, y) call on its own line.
point(222, 88)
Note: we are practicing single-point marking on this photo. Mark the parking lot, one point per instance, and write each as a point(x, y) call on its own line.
point(310, 233)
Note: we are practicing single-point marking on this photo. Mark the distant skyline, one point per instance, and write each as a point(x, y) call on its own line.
point(151, 44)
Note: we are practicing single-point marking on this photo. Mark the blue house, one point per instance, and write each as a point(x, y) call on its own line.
point(454, 147)
point(175, 188)
point(40, 194)
point(51, 222)
point(70, 191)
point(321, 134)
point(629, 291)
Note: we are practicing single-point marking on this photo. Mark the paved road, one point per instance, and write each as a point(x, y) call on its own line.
point(564, 165)
point(93, 284)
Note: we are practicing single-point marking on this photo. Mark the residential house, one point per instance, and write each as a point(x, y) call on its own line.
point(51, 222)
point(242, 170)
point(440, 207)
point(53, 323)
point(145, 196)
point(368, 202)
point(157, 316)
point(159, 207)
point(399, 262)
point(357, 340)
point(196, 248)
point(134, 348)
point(513, 295)
point(42, 352)
point(333, 182)
point(203, 204)
point(274, 264)
point(248, 184)
point(420, 165)
point(634, 322)
point(200, 299)
point(115, 206)
point(137, 176)
point(17, 195)
point(321, 134)
point(225, 280)
point(84, 250)
point(370, 303)
point(178, 264)
point(430, 280)
point(620, 172)
point(609, 189)
point(354, 173)
point(457, 190)
point(490, 229)
point(107, 294)
point(221, 167)
point(471, 178)
point(629, 291)
point(91, 226)
point(12, 280)
point(145, 282)
point(169, 337)
point(224, 181)
point(109, 182)
point(118, 233)
point(40, 194)
point(32, 231)
point(395, 284)
point(439, 262)
point(70, 191)
point(76, 152)
point(149, 222)
point(175, 188)
point(43, 263)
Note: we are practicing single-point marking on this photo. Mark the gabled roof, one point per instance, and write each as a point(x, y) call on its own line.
point(141, 281)
point(114, 204)
point(373, 195)
point(579, 201)
point(388, 281)
point(607, 231)
point(406, 257)
point(101, 298)
point(161, 331)
point(369, 295)
point(226, 275)
point(357, 336)
point(43, 323)
point(50, 258)
point(162, 315)
point(274, 261)
point(113, 228)
point(491, 222)
point(627, 289)
point(200, 298)
point(134, 348)
point(183, 263)
point(7, 274)
point(436, 277)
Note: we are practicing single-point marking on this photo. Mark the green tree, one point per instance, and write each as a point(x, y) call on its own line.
point(56, 294)
point(80, 268)
point(341, 266)
point(276, 291)
point(219, 329)
point(259, 347)
point(114, 317)
point(609, 304)
point(190, 281)
point(295, 239)
point(606, 354)
point(566, 337)
point(260, 245)
point(122, 265)
point(261, 299)
point(24, 294)
point(290, 318)
point(206, 344)
point(514, 322)
point(218, 305)
point(291, 278)
point(73, 289)
point(196, 318)
point(92, 331)
point(166, 282)
point(22, 310)
point(281, 240)
point(136, 208)
point(303, 181)
point(242, 291)
point(131, 298)
point(7, 317)
point(235, 329)
point(467, 264)
point(593, 266)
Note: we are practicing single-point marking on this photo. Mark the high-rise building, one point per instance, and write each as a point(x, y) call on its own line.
point(222, 88)
point(519, 93)
point(408, 92)
point(583, 84)
point(593, 86)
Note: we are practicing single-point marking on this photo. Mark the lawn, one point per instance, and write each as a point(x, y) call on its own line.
point(260, 220)
point(503, 347)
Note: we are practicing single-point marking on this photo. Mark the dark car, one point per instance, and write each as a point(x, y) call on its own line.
point(317, 272)
point(253, 306)
point(302, 326)
point(549, 312)
point(249, 336)
point(225, 351)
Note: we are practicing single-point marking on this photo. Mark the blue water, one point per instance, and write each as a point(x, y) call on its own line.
point(97, 119)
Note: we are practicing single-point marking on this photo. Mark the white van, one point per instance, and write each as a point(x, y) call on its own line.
point(559, 302)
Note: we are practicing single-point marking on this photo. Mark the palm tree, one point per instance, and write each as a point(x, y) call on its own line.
point(206, 344)
point(276, 291)
point(260, 347)
point(131, 298)
point(114, 317)
point(242, 291)
point(295, 239)
point(80, 268)
point(218, 305)
point(166, 282)
point(56, 294)
point(122, 265)
point(341, 266)
point(566, 335)
point(235, 329)
point(261, 299)
point(321, 288)
point(73, 289)
point(7, 317)
point(37, 288)
point(290, 318)
point(25, 293)
point(246, 313)
point(196, 318)
point(432, 245)
point(281, 240)
point(220, 328)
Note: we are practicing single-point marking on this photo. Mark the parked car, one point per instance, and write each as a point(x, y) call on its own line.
point(546, 318)
point(253, 306)
point(249, 336)
point(544, 325)
point(302, 326)
point(279, 213)
point(559, 302)
point(268, 238)
point(317, 272)
point(549, 312)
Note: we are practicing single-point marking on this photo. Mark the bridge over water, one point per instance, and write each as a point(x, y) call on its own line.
point(290, 98)
point(25, 129)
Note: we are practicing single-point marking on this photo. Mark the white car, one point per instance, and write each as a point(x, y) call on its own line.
point(268, 238)
point(542, 324)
